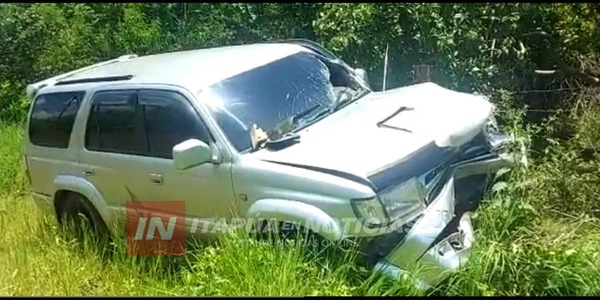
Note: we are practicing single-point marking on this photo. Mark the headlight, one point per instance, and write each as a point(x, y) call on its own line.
point(371, 211)
point(404, 200)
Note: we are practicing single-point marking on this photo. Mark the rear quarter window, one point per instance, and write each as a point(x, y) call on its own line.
point(52, 118)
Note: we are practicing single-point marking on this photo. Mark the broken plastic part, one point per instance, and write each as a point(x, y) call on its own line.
point(258, 136)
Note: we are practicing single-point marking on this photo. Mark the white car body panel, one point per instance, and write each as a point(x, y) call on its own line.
point(310, 183)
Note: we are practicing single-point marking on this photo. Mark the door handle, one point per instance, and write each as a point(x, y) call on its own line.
point(156, 179)
point(88, 172)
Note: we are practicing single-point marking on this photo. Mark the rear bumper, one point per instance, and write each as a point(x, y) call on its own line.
point(437, 244)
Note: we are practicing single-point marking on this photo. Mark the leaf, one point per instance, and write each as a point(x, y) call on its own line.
point(500, 186)
point(501, 172)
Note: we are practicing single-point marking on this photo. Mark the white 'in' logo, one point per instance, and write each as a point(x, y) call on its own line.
point(155, 223)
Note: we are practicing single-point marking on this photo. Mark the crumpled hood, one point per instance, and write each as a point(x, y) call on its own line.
point(351, 141)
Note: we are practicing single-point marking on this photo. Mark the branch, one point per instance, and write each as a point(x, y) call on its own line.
point(570, 71)
point(562, 67)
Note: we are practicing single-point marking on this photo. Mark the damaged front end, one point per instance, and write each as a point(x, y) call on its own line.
point(480, 161)
point(438, 240)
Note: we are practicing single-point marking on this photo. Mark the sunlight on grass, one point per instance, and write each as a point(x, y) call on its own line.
point(519, 251)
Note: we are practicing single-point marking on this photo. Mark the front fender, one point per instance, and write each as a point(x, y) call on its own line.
point(87, 189)
point(309, 216)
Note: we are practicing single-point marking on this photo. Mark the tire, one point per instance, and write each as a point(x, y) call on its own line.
point(77, 218)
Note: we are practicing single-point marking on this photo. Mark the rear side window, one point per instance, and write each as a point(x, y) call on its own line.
point(168, 120)
point(112, 123)
point(52, 118)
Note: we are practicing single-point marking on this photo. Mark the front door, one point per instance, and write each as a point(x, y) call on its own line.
point(128, 153)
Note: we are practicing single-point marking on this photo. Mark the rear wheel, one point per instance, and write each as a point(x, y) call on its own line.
point(78, 219)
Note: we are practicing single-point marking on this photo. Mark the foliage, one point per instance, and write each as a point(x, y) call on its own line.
point(537, 232)
point(470, 46)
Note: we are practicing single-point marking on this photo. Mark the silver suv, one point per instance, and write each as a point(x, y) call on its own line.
point(284, 131)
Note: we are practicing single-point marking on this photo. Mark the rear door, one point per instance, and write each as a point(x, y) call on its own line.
point(113, 145)
point(48, 146)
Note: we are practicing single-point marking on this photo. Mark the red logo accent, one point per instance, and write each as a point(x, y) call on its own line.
point(155, 228)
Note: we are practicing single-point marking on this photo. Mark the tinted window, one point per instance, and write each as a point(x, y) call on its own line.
point(52, 118)
point(112, 123)
point(169, 120)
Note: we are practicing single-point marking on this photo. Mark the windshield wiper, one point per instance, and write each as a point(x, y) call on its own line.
point(281, 133)
point(275, 139)
point(334, 106)
point(282, 142)
point(304, 113)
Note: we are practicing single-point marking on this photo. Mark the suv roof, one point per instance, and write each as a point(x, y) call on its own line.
point(193, 69)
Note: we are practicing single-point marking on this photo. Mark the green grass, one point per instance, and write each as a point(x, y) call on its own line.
point(524, 246)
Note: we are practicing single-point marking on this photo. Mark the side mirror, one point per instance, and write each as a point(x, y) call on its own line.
point(362, 73)
point(191, 153)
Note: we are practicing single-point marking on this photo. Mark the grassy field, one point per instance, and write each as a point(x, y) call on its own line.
point(526, 245)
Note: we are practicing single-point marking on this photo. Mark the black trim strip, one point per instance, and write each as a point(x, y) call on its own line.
point(341, 174)
point(42, 194)
point(98, 79)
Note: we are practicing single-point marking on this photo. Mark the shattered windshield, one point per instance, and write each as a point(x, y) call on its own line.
point(264, 98)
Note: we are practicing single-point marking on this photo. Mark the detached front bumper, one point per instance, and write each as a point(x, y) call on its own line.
point(435, 245)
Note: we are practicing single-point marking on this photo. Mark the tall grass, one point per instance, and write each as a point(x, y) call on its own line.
point(521, 249)
point(12, 177)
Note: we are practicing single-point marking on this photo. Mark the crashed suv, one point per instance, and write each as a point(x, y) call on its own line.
point(283, 131)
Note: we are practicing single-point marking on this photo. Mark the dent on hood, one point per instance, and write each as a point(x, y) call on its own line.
point(438, 120)
point(463, 114)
